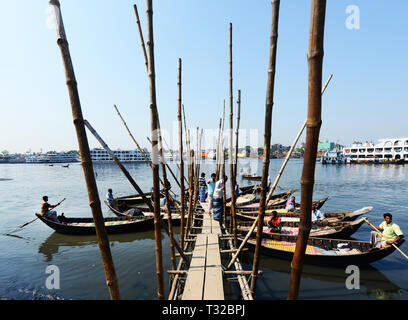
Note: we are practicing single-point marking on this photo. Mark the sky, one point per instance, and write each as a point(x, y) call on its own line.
point(366, 99)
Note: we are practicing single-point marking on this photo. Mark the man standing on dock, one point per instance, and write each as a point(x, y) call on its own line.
point(211, 188)
point(218, 202)
point(391, 232)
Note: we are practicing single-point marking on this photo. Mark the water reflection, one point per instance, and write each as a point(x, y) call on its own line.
point(374, 281)
point(54, 243)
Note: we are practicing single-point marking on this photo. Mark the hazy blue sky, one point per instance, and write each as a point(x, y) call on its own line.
point(366, 100)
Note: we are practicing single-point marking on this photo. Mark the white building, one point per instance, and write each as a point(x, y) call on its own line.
point(387, 149)
point(101, 155)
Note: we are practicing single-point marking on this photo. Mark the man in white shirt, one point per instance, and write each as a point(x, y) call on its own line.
point(218, 201)
point(316, 214)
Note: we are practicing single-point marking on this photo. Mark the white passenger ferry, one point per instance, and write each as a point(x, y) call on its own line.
point(102, 156)
point(387, 150)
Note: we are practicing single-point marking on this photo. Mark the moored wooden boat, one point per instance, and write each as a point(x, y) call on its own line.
point(322, 251)
point(134, 199)
point(251, 177)
point(281, 205)
point(249, 189)
point(276, 200)
point(86, 226)
point(294, 216)
point(322, 229)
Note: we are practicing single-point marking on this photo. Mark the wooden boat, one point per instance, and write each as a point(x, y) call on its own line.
point(126, 211)
point(244, 199)
point(251, 177)
point(285, 214)
point(134, 199)
point(281, 205)
point(86, 226)
point(250, 189)
point(277, 199)
point(65, 165)
point(322, 229)
point(322, 251)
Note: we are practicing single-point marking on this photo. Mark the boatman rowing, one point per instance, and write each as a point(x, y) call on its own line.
point(46, 210)
point(391, 232)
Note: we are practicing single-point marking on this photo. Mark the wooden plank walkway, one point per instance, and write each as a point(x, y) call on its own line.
point(205, 277)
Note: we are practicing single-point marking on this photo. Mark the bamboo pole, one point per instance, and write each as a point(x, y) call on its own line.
point(180, 137)
point(172, 154)
point(141, 37)
point(94, 201)
point(291, 150)
point(137, 145)
point(119, 164)
point(224, 190)
point(155, 158)
point(164, 160)
point(231, 159)
point(220, 144)
point(267, 138)
point(275, 182)
point(167, 198)
point(236, 135)
point(217, 153)
point(315, 61)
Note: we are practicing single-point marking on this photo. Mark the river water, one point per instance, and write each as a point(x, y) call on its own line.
point(25, 256)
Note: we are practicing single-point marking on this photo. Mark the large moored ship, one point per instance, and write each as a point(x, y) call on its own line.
point(102, 156)
point(387, 150)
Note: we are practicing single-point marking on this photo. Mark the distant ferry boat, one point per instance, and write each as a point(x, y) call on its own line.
point(386, 151)
point(333, 157)
point(102, 156)
point(51, 157)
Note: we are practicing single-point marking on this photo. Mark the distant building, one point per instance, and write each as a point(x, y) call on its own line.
point(326, 145)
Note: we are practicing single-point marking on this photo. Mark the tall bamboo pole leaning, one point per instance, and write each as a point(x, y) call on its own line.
point(224, 189)
point(236, 134)
point(217, 152)
point(315, 62)
point(220, 144)
point(267, 137)
point(291, 149)
point(94, 201)
point(133, 183)
point(155, 156)
point(231, 159)
point(235, 165)
point(167, 197)
point(180, 137)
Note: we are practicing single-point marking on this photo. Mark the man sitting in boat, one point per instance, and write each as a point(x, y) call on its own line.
point(391, 232)
point(109, 197)
point(316, 214)
point(46, 210)
point(290, 204)
point(274, 223)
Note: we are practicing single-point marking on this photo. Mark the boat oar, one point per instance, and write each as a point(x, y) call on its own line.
point(369, 223)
